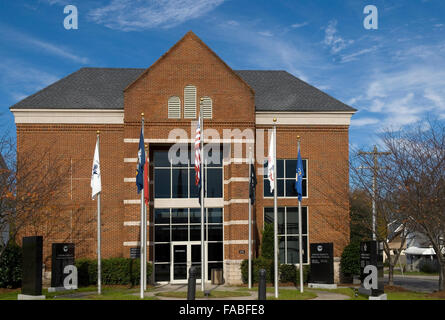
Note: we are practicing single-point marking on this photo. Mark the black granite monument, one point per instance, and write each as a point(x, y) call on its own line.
point(62, 256)
point(371, 254)
point(32, 266)
point(322, 263)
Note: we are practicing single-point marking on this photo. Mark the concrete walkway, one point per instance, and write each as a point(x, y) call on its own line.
point(321, 295)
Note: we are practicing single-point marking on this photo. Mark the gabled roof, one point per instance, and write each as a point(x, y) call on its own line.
point(87, 88)
point(277, 90)
point(103, 88)
point(190, 36)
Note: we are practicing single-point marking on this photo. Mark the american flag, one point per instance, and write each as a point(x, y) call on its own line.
point(198, 155)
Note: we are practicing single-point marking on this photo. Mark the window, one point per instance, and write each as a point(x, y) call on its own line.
point(288, 233)
point(174, 108)
point(190, 102)
point(207, 112)
point(177, 181)
point(286, 170)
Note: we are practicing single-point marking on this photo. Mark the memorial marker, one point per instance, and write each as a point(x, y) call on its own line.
point(371, 270)
point(322, 266)
point(32, 269)
point(62, 256)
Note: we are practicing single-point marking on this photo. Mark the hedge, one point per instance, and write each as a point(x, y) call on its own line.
point(122, 271)
point(11, 266)
point(257, 264)
point(287, 272)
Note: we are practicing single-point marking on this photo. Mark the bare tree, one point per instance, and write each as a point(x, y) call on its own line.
point(385, 195)
point(417, 175)
point(32, 197)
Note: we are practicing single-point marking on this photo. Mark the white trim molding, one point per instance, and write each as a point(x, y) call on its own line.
point(229, 202)
point(236, 180)
point(304, 118)
point(68, 116)
point(186, 141)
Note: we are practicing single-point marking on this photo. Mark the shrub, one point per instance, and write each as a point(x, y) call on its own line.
point(267, 243)
point(306, 273)
point(257, 264)
point(350, 260)
point(11, 266)
point(428, 267)
point(114, 271)
point(288, 273)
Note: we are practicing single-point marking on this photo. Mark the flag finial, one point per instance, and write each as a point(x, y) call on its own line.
point(274, 119)
point(298, 137)
point(98, 132)
point(142, 114)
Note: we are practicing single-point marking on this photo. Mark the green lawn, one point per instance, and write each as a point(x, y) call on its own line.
point(412, 273)
point(345, 291)
point(216, 294)
point(108, 293)
point(291, 294)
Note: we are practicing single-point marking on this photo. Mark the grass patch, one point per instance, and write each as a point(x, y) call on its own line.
point(108, 293)
point(344, 291)
point(291, 294)
point(412, 273)
point(199, 294)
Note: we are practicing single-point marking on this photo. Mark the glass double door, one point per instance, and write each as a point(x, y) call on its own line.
point(184, 256)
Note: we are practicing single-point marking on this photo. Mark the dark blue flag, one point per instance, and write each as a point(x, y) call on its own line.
point(252, 183)
point(299, 177)
point(141, 162)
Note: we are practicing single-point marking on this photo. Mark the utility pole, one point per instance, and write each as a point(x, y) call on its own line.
point(375, 168)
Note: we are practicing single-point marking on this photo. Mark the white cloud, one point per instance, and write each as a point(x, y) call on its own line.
point(37, 44)
point(354, 56)
point(265, 33)
point(20, 80)
point(333, 40)
point(364, 122)
point(436, 98)
point(299, 25)
point(131, 15)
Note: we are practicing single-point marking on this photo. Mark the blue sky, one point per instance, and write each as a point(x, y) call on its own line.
point(394, 76)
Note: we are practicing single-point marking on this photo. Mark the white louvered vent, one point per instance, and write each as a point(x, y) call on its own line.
point(174, 108)
point(207, 108)
point(190, 102)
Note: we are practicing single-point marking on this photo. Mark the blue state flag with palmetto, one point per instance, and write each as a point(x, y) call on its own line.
point(299, 177)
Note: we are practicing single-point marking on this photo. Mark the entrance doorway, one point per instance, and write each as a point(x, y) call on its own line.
point(184, 256)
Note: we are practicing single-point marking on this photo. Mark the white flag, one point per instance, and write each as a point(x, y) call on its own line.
point(271, 162)
point(96, 185)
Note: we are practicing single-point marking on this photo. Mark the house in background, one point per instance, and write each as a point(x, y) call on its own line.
point(420, 256)
point(417, 253)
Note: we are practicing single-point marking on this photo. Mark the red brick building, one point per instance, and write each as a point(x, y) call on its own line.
point(238, 109)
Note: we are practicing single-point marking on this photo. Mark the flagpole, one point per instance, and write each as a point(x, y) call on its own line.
point(275, 210)
point(145, 227)
point(300, 238)
point(99, 266)
point(142, 247)
point(250, 222)
point(202, 198)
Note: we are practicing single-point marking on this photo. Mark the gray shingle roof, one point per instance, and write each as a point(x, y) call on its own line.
point(102, 88)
